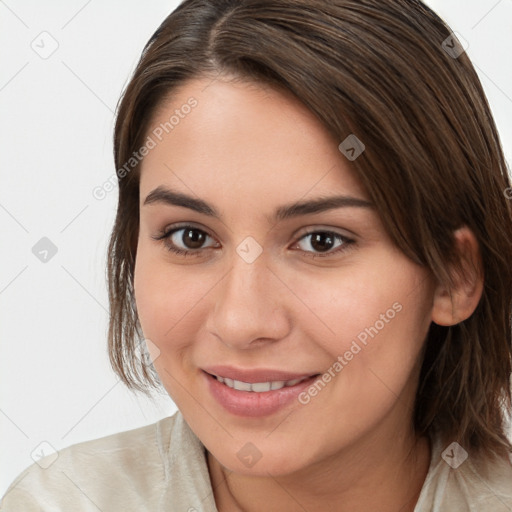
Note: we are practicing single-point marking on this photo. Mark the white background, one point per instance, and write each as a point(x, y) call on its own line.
point(56, 127)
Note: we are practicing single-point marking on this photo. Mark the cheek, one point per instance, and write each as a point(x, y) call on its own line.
point(352, 304)
point(372, 325)
point(163, 300)
point(169, 302)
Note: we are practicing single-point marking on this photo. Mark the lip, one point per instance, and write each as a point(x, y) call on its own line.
point(254, 374)
point(251, 404)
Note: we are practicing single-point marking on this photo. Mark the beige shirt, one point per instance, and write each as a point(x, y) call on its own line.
point(162, 467)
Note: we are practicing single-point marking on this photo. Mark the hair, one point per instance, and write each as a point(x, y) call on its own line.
point(433, 163)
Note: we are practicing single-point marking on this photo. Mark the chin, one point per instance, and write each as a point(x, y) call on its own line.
point(264, 463)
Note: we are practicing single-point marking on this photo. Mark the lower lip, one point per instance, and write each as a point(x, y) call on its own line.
point(250, 403)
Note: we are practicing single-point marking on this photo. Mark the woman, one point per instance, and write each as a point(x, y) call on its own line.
point(313, 241)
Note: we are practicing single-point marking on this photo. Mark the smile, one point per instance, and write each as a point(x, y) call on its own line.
point(258, 387)
point(268, 392)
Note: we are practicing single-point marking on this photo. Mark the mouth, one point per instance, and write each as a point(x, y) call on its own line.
point(256, 393)
point(259, 387)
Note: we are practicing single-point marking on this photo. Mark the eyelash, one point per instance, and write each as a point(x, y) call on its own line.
point(165, 236)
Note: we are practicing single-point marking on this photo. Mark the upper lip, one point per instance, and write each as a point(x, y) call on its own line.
point(256, 374)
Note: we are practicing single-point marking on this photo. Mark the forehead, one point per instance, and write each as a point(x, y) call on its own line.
point(249, 142)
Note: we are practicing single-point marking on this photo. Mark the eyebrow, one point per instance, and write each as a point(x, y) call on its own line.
point(287, 211)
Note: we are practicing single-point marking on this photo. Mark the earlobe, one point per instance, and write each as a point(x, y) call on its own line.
point(455, 304)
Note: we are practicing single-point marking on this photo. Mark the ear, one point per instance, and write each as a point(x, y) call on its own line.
point(457, 303)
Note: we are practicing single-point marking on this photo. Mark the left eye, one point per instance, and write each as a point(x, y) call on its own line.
point(324, 242)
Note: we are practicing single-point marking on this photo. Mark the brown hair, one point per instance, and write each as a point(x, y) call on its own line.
point(381, 70)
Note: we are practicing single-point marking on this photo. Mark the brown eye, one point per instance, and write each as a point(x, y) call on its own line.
point(193, 238)
point(185, 240)
point(326, 242)
point(322, 242)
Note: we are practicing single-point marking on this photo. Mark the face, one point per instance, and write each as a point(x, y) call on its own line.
point(285, 335)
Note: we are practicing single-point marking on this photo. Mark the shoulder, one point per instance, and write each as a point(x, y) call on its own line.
point(456, 480)
point(124, 471)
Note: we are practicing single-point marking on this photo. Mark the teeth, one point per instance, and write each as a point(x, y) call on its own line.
point(276, 385)
point(258, 387)
point(241, 386)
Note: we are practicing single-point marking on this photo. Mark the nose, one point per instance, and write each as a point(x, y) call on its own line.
point(250, 306)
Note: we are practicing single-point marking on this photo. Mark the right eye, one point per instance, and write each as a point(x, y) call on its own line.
point(184, 240)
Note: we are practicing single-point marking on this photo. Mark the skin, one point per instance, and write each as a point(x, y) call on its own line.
point(247, 149)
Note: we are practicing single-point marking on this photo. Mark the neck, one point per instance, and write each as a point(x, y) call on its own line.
point(374, 474)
